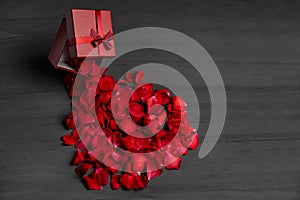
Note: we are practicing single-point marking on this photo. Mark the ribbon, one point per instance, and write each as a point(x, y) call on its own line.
point(97, 39)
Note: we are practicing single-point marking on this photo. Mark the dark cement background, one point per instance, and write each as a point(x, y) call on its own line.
point(256, 47)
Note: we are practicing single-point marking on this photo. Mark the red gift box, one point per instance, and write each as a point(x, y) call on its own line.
point(79, 33)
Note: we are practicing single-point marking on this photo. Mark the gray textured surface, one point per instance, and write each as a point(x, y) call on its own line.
point(256, 47)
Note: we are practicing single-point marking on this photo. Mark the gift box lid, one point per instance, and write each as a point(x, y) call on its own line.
point(89, 29)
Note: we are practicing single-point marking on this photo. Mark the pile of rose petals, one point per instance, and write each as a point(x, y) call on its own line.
point(166, 113)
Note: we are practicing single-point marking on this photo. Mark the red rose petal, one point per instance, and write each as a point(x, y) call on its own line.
point(163, 96)
point(128, 126)
point(127, 180)
point(78, 158)
point(175, 165)
point(85, 118)
point(107, 83)
point(154, 174)
point(115, 138)
point(162, 118)
point(139, 76)
point(70, 124)
point(143, 143)
point(115, 182)
point(100, 175)
point(138, 162)
point(142, 93)
point(141, 182)
point(187, 130)
point(79, 86)
point(113, 125)
point(112, 170)
point(136, 109)
point(129, 143)
point(152, 128)
point(80, 145)
point(69, 140)
point(91, 184)
point(84, 64)
point(185, 153)
point(195, 142)
point(83, 169)
point(86, 99)
point(100, 117)
point(178, 104)
point(74, 133)
point(133, 181)
point(129, 77)
point(105, 97)
point(110, 160)
point(117, 156)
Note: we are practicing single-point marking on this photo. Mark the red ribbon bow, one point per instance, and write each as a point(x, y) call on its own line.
point(97, 39)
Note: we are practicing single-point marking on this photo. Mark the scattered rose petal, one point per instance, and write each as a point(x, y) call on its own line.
point(78, 158)
point(139, 76)
point(70, 124)
point(91, 184)
point(107, 83)
point(69, 140)
point(154, 174)
point(100, 175)
point(175, 165)
point(115, 182)
point(195, 142)
point(133, 181)
point(83, 169)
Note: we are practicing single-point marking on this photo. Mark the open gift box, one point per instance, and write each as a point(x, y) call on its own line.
point(80, 32)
